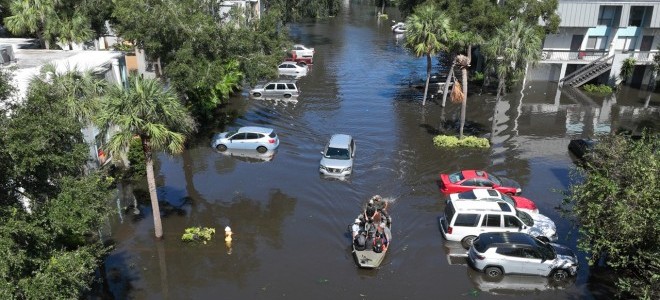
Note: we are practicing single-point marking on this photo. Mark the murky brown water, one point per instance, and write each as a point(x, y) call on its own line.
point(289, 223)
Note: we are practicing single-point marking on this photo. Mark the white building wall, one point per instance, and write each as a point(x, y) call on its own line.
point(562, 40)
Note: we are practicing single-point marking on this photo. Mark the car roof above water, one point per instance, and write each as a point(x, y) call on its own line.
point(339, 141)
point(467, 205)
point(255, 129)
point(490, 238)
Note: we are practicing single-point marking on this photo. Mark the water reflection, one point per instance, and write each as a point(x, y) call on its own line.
point(249, 156)
point(517, 285)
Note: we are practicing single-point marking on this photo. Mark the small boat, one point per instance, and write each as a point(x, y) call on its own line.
point(399, 27)
point(371, 239)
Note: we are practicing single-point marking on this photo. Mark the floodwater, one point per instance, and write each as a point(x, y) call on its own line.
point(289, 223)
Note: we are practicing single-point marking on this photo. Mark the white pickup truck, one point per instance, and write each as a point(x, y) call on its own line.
point(302, 51)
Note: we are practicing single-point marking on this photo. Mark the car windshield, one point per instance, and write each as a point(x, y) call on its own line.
point(230, 133)
point(494, 179)
point(456, 177)
point(337, 153)
point(509, 200)
point(525, 217)
point(466, 195)
point(546, 249)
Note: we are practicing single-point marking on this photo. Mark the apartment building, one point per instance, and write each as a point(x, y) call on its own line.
point(594, 39)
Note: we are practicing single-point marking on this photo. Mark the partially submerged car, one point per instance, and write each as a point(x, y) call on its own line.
point(290, 68)
point(338, 156)
point(580, 147)
point(261, 139)
point(520, 203)
point(466, 180)
point(280, 89)
point(302, 50)
point(499, 253)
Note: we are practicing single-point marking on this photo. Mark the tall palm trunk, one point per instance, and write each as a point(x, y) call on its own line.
point(500, 91)
point(447, 82)
point(464, 102)
point(151, 181)
point(428, 76)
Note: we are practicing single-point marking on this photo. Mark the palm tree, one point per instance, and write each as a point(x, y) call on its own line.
point(75, 30)
point(427, 32)
point(154, 114)
point(32, 16)
point(463, 62)
point(514, 47)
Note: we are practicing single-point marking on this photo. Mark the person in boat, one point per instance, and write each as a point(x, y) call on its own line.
point(381, 207)
point(355, 228)
point(378, 243)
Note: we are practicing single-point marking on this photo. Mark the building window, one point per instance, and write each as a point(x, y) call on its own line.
point(609, 15)
point(596, 42)
point(640, 16)
point(627, 42)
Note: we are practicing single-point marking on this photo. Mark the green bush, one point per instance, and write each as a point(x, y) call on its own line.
point(478, 77)
point(447, 141)
point(198, 234)
point(597, 89)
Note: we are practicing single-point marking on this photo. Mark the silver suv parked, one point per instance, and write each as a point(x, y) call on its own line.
point(281, 89)
point(498, 253)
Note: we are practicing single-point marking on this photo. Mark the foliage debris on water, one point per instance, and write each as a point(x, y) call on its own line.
point(198, 234)
point(448, 141)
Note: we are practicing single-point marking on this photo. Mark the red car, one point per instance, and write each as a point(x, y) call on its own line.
point(476, 179)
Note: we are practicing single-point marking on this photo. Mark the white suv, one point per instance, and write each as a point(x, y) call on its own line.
point(338, 156)
point(464, 220)
point(283, 89)
point(498, 253)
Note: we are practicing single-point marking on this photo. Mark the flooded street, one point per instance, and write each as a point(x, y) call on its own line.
point(289, 223)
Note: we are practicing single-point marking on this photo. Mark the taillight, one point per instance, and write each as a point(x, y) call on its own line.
point(449, 230)
point(479, 257)
point(271, 141)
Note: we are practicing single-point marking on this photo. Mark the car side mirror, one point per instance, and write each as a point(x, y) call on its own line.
point(321, 152)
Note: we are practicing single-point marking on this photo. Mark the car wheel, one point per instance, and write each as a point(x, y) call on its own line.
point(256, 94)
point(559, 275)
point(467, 241)
point(262, 149)
point(287, 96)
point(221, 148)
point(493, 272)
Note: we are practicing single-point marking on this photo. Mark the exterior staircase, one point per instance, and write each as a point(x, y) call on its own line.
point(588, 72)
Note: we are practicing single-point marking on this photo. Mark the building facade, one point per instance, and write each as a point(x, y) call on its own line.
point(594, 39)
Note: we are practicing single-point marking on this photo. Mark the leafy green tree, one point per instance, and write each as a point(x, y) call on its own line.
point(428, 32)
point(614, 199)
point(295, 10)
point(32, 17)
point(513, 48)
point(153, 114)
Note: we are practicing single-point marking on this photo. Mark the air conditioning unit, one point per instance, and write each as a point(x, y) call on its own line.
point(7, 55)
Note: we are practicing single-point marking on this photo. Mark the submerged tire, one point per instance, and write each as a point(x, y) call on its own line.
point(262, 149)
point(221, 148)
point(287, 96)
point(466, 242)
point(493, 272)
point(256, 94)
point(559, 275)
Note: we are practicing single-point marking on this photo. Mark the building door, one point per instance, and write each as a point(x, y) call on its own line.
point(576, 42)
point(647, 42)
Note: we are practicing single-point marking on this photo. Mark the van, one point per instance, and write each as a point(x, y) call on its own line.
point(464, 220)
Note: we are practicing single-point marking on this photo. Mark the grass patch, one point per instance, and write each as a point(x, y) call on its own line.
point(450, 141)
point(600, 89)
point(198, 234)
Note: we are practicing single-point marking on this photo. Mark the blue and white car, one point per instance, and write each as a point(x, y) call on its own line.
point(261, 139)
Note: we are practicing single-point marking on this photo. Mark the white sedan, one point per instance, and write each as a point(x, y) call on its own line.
point(303, 51)
point(291, 68)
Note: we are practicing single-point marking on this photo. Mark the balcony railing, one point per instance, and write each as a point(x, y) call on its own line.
point(567, 55)
point(640, 56)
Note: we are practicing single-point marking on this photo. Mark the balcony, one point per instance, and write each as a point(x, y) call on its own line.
point(580, 56)
point(642, 57)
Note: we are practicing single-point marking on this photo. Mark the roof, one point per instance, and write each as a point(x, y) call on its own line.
point(476, 205)
point(486, 193)
point(256, 129)
point(29, 61)
point(490, 238)
point(474, 173)
point(339, 140)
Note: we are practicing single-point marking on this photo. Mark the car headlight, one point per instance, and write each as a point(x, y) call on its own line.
point(347, 169)
point(322, 167)
point(518, 190)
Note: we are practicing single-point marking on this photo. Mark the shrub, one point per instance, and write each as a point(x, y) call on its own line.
point(447, 141)
point(597, 89)
point(478, 77)
point(198, 234)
